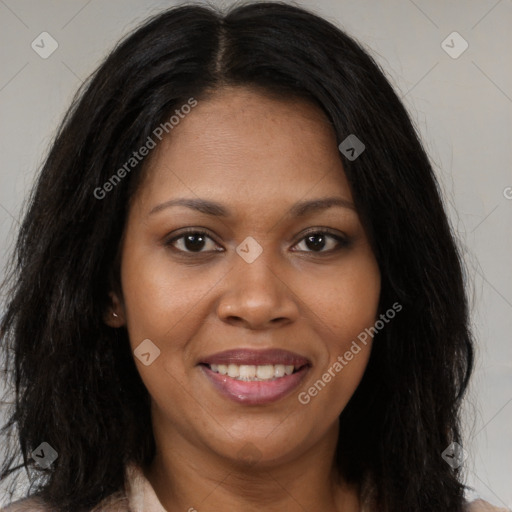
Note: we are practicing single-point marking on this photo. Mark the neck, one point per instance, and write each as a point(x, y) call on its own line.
point(187, 478)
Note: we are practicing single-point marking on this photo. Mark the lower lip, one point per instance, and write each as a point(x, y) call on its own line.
point(255, 392)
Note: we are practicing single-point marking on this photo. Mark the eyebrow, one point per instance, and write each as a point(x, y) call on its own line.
point(213, 208)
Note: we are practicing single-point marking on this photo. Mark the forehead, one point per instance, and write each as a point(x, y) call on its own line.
point(240, 143)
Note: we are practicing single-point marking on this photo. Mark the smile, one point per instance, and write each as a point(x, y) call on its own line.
point(248, 372)
point(272, 375)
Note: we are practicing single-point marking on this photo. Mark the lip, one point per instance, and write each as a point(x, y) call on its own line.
point(255, 392)
point(257, 357)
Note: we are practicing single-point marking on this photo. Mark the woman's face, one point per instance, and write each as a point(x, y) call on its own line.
point(279, 282)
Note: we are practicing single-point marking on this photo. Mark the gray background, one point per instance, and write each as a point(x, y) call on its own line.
point(461, 106)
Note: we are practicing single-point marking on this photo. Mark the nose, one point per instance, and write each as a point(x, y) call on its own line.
point(256, 296)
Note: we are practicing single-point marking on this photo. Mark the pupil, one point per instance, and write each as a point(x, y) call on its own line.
point(315, 245)
point(191, 245)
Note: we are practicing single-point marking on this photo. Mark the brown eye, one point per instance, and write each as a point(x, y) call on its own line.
point(322, 241)
point(193, 241)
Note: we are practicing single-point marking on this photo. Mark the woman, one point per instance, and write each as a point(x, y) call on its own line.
point(236, 286)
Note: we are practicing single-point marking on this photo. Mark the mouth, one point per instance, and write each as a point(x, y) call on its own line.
point(255, 377)
point(253, 373)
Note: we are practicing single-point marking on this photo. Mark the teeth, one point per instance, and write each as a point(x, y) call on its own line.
point(253, 372)
point(233, 370)
point(248, 372)
point(265, 372)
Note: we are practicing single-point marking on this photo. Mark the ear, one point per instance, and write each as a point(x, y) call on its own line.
point(115, 314)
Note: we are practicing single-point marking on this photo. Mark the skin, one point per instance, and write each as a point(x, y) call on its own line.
point(257, 156)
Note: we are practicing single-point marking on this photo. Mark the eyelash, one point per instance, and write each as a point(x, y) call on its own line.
point(342, 241)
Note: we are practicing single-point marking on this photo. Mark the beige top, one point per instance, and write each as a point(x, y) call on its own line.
point(141, 497)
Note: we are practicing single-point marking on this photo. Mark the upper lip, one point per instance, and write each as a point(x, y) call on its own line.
point(257, 357)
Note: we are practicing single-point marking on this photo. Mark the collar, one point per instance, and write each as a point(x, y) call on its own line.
point(139, 491)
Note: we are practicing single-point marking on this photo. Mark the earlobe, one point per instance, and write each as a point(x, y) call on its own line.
point(114, 316)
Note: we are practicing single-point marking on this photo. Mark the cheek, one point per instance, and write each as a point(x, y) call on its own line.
point(159, 305)
point(158, 297)
point(345, 307)
point(348, 301)
point(166, 305)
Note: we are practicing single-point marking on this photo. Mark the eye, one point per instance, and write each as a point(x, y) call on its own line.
point(323, 242)
point(192, 241)
point(318, 241)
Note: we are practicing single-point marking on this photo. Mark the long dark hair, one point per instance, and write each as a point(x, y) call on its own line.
point(76, 384)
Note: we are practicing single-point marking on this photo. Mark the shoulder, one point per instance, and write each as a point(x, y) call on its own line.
point(369, 500)
point(119, 501)
point(26, 505)
point(484, 506)
point(114, 503)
